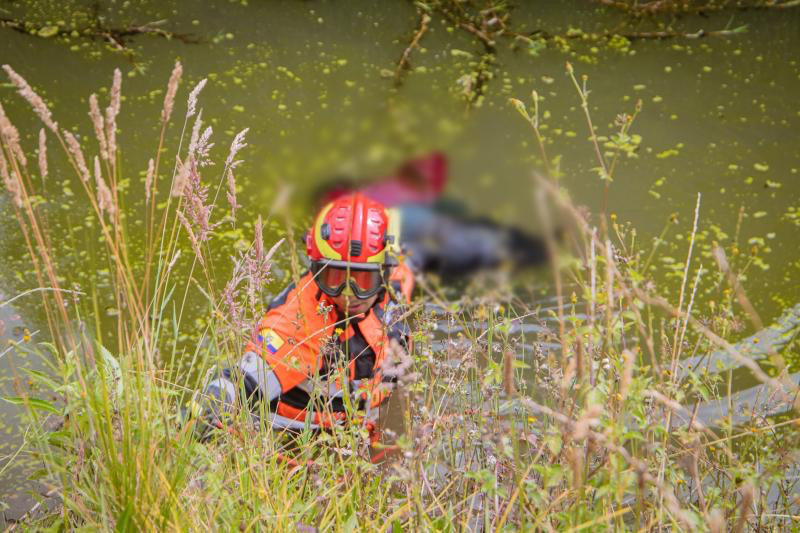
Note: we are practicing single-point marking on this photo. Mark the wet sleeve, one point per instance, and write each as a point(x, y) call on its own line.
point(252, 378)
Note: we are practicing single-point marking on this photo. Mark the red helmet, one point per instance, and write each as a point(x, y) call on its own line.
point(348, 246)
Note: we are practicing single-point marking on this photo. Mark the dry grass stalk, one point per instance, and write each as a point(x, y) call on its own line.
point(237, 144)
point(579, 360)
point(575, 458)
point(173, 260)
point(610, 298)
point(253, 267)
point(231, 194)
point(199, 144)
point(99, 126)
point(627, 373)
point(508, 372)
point(195, 200)
point(592, 301)
point(25, 90)
point(198, 123)
point(675, 407)
point(181, 178)
point(192, 237)
point(733, 279)
point(10, 181)
point(148, 180)
point(589, 418)
point(397, 365)
point(716, 521)
point(10, 135)
point(172, 89)
point(42, 153)
point(745, 507)
point(688, 314)
point(111, 115)
point(105, 200)
point(75, 149)
point(192, 103)
point(684, 279)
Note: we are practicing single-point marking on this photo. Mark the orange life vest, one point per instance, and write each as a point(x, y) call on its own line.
point(292, 335)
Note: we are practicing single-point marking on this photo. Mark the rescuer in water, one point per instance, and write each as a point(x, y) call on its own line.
point(326, 342)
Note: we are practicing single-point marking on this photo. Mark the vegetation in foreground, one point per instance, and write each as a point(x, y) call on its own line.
point(569, 430)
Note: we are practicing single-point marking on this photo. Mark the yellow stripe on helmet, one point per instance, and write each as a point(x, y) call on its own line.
point(325, 249)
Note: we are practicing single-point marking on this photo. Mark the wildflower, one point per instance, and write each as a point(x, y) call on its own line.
point(43, 153)
point(172, 89)
point(75, 149)
point(25, 90)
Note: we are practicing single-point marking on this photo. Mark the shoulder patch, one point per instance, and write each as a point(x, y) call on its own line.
point(271, 340)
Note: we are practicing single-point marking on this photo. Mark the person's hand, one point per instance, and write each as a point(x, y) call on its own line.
point(211, 411)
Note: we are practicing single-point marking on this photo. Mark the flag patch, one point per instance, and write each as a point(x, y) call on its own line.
point(272, 342)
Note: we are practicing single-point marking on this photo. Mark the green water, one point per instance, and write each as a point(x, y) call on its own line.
point(313, 82)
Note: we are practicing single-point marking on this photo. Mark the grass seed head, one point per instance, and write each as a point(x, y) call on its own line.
point(105, 199)
point(192, 103)
point(99, 126)
point(74, 148)
point(42, 155)
point(172, 89)
point(111, 114)
point(148, 180)
point(10, 136)
point(10, 181)
point(36, 102)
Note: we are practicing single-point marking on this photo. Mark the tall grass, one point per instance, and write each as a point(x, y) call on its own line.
point(568, 428)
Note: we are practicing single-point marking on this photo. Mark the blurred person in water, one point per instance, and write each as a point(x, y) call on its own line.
point(337, 332)
point(438, 235)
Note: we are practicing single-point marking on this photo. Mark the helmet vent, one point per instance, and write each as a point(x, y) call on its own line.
point(325, 231)
point(355, 248)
